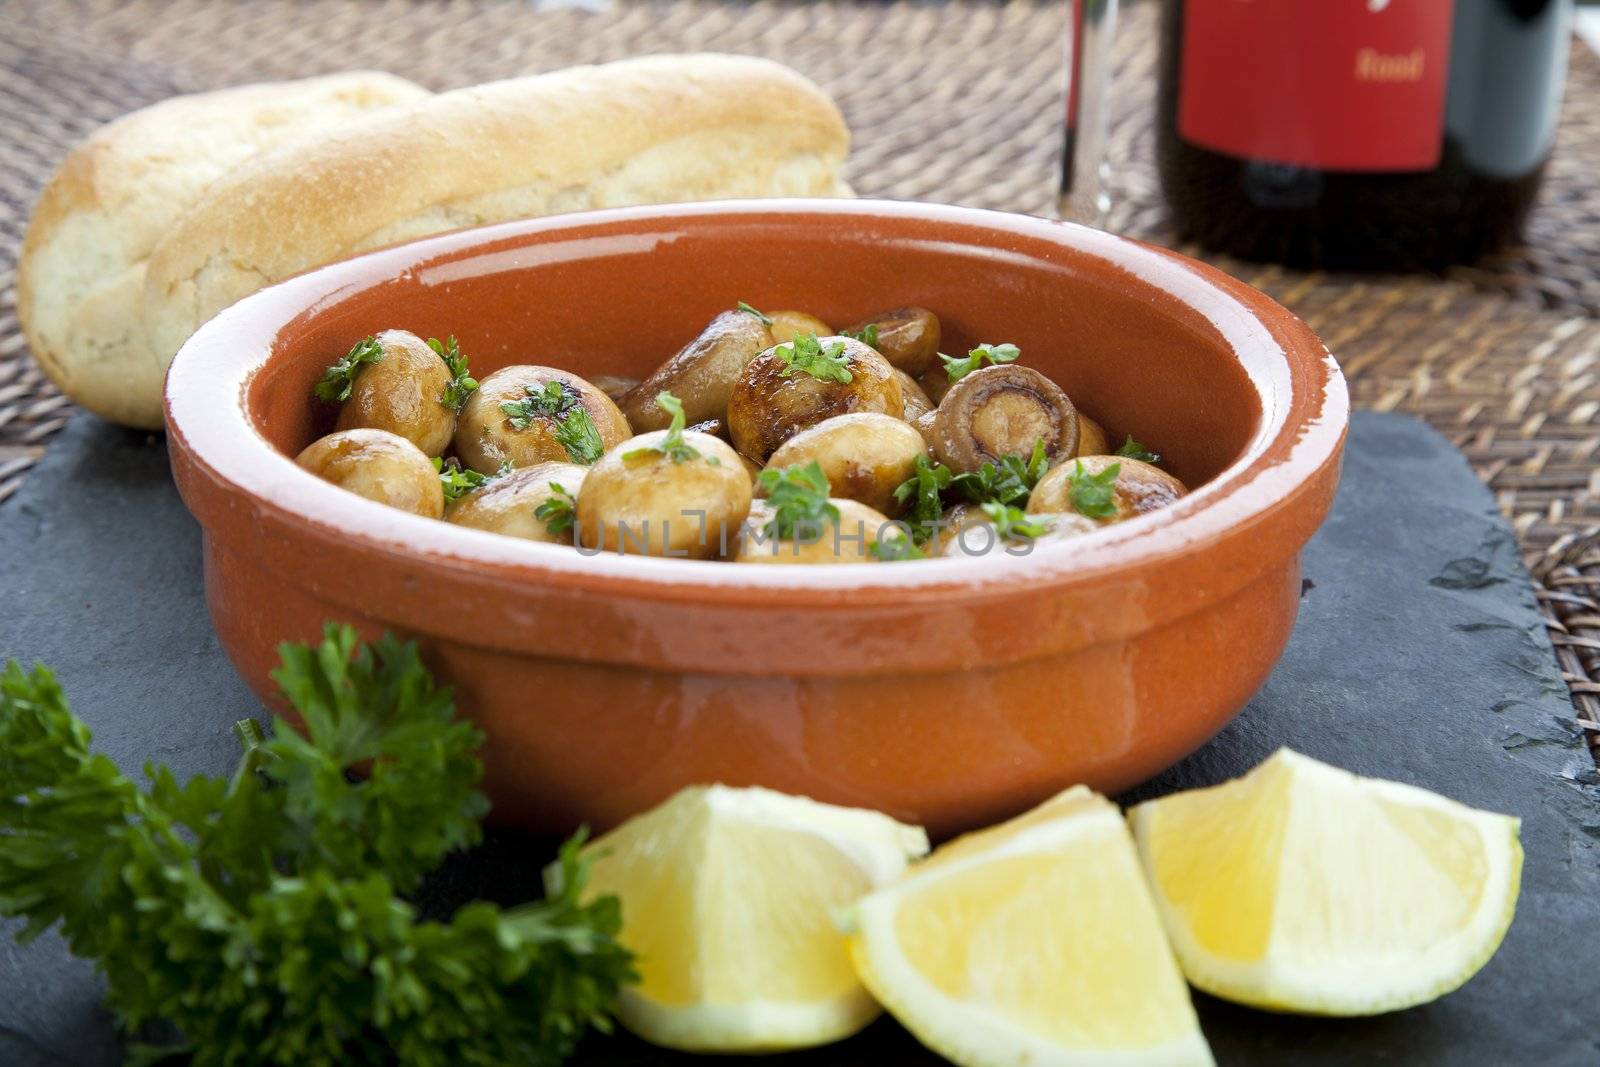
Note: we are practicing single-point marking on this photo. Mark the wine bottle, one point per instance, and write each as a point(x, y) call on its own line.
point(1358, 133)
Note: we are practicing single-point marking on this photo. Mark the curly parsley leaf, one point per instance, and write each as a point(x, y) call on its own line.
point(958, 369)
point(921, 491)
point(552, 399)
point(1012, 523)
point(867, 335)
point(559, 511)
point(799, 499)
point(896, 548)
point(340, 377)
point(1132, 449)
point(580, 436)
point(672, 445)
point(260, 915)
point(1094, 495)
point(457, 481)
point(765, 320)
point(805, 353)
point(1008, 482)
point(462, 383)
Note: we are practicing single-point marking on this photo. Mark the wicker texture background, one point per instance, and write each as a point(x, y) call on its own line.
point(953, 102)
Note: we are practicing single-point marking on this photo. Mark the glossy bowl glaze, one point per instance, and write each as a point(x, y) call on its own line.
point(948, 692)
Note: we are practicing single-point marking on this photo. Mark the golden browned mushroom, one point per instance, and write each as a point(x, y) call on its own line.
point(907, 337)
point(799, 523)
point(1000, 411)
point(378, 465)
point(525, 415)
point(1091, 437)
point(787, 325)
point(702, 373)
point(1089, 487)
point(865, 456)
point(511, 503)
point(917, 403)
point(396, 382)
point(670, 492)
point(615, 386)
point(790, 387)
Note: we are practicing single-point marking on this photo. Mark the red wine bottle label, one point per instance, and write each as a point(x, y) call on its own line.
point(1341, 85)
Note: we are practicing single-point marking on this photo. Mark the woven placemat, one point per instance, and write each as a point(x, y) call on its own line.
point(953, 102)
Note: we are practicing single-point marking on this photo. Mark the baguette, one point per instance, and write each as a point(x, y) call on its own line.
point(80, 280)
point(650, 130)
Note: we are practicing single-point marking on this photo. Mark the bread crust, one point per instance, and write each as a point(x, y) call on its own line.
point(649, 130)
point(80, 280)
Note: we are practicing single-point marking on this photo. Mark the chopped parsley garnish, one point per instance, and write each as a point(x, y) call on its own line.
point(457, 481)
point(672, 445)
point(867, 335)
point(1094, 495)
point(922, 491)
point(575, 428)
point(462, 383)
point(766, 320)
point(340, 378)
point(896, 548)
point(1011, 523)
point(1132, 449)
point(798, 496)
point(960, 368)
point(580, 436)
point(805, 353)
point(558, 512)
point(555, 398)
point(1008, 482)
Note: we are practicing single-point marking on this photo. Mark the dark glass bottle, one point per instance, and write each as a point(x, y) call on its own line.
point(1366, 134)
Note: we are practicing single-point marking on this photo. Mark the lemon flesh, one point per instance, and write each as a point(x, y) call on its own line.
point(1301, 887)
point(727, 900)
point(1035, 942)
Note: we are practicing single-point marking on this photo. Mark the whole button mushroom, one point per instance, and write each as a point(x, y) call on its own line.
point(523, 415)
point(790, 387)
point(381, 466)
point(907, 337)
point(534, 503)
point(702, 373)
point(1105, 489)
point(396, 382)
point(999, 411)
point(865, 456)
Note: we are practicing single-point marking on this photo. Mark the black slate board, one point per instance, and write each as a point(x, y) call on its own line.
point(1419, 655)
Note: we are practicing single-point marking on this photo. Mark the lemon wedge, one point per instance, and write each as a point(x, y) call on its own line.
point(1301, 887)
point(727, 901)
point(1033, 942)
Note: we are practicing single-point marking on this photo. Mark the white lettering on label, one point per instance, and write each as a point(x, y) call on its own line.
point(1375, 66)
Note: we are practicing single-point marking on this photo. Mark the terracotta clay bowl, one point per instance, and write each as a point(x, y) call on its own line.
point(948, 692)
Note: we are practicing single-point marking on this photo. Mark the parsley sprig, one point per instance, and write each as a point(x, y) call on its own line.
point(672, 445)
point(798, 497)
point(340, 377)
point(766, 320)
point(805, 353)
point(867, 335)
point(559, 511)
point(457, 481)
point(896, 548)
point(1094, 495)
point(262, 914)
point(1132, 449)
point(921, 491)
point(958, 369)
point(1008, 482)
point(462, 383)
point(1011, 523)
point(575, 428)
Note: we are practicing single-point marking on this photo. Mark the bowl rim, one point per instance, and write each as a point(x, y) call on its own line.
point(1299, 433)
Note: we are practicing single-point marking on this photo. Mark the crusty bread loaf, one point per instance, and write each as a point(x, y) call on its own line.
point(80, 282)
point(650, 130)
